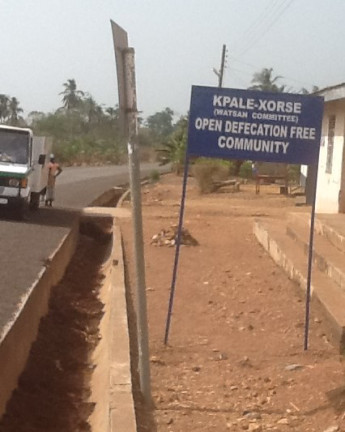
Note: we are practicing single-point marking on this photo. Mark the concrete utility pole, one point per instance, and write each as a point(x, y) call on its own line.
point(128, 105)
point(134, 173)
point(220, 73)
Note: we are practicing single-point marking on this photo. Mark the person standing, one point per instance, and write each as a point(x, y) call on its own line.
point(54, 171)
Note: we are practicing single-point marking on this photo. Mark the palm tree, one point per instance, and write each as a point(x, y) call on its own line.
point(93, 111)
point(13, 111)
point(112, 112)
point(306, 91)
point(264, 81)
point(72, 97)
point(174, 149)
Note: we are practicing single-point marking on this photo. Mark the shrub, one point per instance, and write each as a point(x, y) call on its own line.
point(154, 176)
point(85, 150)
point(294, 173)
point(209, 171)
point(246, 170)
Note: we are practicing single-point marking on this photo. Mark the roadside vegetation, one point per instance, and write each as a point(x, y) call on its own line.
point(85, 132)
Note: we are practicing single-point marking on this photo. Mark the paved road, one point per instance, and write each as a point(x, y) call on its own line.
point(25, 246)
point(78, 187)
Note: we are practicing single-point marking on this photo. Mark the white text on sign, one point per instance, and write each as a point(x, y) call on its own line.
point(277, 106)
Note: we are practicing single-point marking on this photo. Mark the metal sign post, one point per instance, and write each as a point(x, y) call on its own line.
point(310, 265)
point(177, 251)
point(256, 126)
point(128, 106)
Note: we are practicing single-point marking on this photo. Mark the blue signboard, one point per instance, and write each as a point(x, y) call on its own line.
point(254, 125)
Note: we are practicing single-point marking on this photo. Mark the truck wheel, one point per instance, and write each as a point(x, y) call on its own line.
point(34, 200)
point(21, 210)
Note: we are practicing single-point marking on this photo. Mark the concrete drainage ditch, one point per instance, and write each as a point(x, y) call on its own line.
point(76, 376)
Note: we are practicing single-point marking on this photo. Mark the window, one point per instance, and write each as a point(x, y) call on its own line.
point(330, 143)
point(14, 146)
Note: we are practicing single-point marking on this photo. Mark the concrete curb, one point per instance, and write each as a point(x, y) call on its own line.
point(122, 412)
point(21, 332)
point(111, 383)
point(108, 196)
point(112, 380)
point(330, 263)
point(278, 255)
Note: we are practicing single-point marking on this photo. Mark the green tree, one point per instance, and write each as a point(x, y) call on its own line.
point(174, 149)
point(112, 112)
point(265, 81)
point(161, 123)
point(93, 110)
point(71, 96)
point(4, 112)
point(306, 91)
point(13, 112)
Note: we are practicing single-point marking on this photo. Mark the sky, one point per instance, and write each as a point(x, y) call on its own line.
point(177, 44)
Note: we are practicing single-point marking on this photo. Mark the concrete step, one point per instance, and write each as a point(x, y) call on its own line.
point(326, 257)
point(329, 226)
point(285, 252)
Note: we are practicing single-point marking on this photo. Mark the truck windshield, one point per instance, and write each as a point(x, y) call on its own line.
point(14, 147)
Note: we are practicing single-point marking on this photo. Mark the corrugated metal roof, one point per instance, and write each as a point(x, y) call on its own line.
point(332, 93)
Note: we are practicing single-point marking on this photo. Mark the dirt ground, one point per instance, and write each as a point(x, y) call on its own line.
point(235, 358)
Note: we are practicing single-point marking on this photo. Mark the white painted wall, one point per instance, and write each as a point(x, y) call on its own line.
point(328, 184)
point(303, 176)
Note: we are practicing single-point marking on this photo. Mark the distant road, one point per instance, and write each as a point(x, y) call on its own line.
point(77, 187)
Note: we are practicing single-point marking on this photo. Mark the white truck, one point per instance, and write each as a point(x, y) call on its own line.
point(24, 168)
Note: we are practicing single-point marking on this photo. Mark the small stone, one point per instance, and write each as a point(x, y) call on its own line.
point(332, 429)
point(58, 365)
point(252, 415)
point(157, 360)
point(222, 356)
point(196, 369)
point(283, 421)
point(293, 367)
point(170, 421)
point(254, 427)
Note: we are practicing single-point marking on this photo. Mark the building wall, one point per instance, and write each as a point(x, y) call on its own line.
point(328, 184)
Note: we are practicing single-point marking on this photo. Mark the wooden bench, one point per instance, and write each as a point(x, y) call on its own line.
point(265, 178)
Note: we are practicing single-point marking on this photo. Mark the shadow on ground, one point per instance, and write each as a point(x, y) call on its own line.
point(58, 217)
